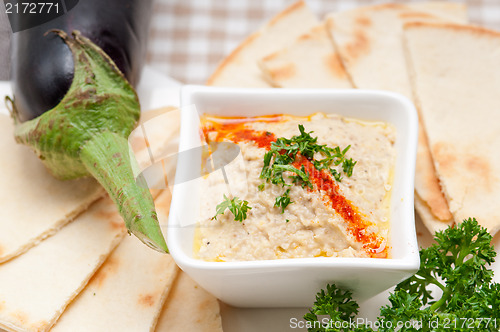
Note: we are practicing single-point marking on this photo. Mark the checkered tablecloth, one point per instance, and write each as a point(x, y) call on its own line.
point(189, 37)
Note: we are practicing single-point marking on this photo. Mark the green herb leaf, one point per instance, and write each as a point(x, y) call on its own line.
point(457, 263)
point(235, 205)
point(284, 152)
point(336, 175)
point(334, 302)
point(301, 177)
point(459, 257)
point(348, 166)
point(283, 201)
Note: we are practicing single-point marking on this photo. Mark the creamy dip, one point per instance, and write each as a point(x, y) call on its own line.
point(349, 218)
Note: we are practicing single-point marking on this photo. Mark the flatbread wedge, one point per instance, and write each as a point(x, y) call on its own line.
point(189, 308)
point(240, 68)
point(309, 62)
point(36, 287)
point(28, 189)
point(155, 143)
point(126, 294)
point(133, 282)
point(455, 74)
point(34, 204)
point(452, 11)
point(428, 219)
point(369, 41)
point(433, 210)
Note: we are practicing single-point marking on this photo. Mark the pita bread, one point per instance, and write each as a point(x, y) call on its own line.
point(450, 65)
point(157, 137)
point(451, 11)
point(162, 204)
point(309, 62)
point(37, 286)
point(436, 213)
point(133, 282)
point(28, 189)
point(34, 204)
point(240, 68)
point(189, 308)
point(126, 294)
point(369, 41)
point(430, 221)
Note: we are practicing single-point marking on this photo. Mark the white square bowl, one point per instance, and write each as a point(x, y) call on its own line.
point(295, 282)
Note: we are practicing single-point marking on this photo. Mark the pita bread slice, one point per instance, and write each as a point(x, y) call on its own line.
point(312, 62)
point(309, 62)
point(369, 41)
point(451, 11)
point(156, 130)
point(431, 204)
point(189, 308)
point(428, 219)
point(456, 78)
point(240, 68)
point(133, 283)
point(34, 204)
point(126, 294)
point(28, 189)
point(37, 286)
point(155, 143)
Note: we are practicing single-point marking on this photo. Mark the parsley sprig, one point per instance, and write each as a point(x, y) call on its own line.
point(235, 205)
point(334, 302)
point(284, 152)
point(283, 201)
point(457, 264)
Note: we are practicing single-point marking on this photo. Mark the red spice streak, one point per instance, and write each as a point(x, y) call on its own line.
point(356, 225)
point(235, 130)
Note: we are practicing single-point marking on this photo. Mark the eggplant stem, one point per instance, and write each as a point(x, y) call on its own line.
point(106, 156)
point(11, 107)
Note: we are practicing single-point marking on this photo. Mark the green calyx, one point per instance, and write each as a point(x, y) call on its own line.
point(86, 135)
point(99, 99)
point(106, 156)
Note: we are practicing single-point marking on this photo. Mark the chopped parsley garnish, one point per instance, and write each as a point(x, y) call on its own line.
point(284, 152)
point(283, 201)
point(301, 176)
point(348, 166)
point(235, 205)
point(457, 264)
point(336, 175)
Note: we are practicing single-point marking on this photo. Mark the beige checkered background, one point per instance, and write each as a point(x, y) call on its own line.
point(189, 37)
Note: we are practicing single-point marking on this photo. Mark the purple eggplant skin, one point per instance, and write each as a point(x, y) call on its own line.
point(42, 65)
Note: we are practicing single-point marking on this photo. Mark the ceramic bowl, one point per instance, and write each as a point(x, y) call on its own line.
point(295, 282)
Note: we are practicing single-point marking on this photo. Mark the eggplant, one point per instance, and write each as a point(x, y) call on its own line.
point(42, 66)
point(75, 105)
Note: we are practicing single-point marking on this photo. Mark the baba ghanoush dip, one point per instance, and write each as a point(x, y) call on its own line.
point(316, 186)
